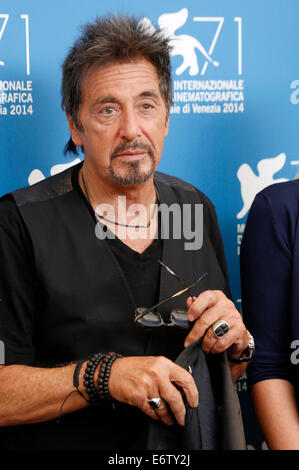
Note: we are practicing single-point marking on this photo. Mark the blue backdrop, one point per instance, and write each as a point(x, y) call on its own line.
point(234, 122)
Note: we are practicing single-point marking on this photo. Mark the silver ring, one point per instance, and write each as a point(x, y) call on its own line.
point(154, 403)
point(220, 328)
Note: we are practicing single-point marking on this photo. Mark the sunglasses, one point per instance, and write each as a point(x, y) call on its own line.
point(149, 318)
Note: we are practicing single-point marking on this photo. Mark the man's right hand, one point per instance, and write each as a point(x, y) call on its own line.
point(135, 380)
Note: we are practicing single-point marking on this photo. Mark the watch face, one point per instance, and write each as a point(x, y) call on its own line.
point(251, 343)
point(247, 353)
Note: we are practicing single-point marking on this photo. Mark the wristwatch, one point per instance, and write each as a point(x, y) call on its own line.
point(247, 353)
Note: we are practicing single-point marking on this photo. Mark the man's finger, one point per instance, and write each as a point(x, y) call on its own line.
point(174, 400)
point(164, 413)
point(206, 300)
point(203, 322)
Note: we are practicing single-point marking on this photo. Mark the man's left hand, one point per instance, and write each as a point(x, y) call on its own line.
point(208, 308)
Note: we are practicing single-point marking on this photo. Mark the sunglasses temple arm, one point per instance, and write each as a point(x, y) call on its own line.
point(171, 297)
point(176, 276)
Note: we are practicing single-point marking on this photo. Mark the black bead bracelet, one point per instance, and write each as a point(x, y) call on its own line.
point(88, 379)
point(76, 378)
point(97, 394)
point(104, 375)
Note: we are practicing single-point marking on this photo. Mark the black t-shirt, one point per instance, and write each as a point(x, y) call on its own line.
point(142, 270)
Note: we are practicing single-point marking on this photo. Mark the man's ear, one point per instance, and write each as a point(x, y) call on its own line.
point(75, 133)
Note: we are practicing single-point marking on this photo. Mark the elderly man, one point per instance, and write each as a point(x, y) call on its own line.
point(70, 294)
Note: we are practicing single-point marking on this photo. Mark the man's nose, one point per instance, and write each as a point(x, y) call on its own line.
point(130, 125)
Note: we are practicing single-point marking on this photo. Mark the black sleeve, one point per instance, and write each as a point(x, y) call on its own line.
point(18, 286)
point(266, 279)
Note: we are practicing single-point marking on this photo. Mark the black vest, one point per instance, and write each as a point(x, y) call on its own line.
point(85, 305)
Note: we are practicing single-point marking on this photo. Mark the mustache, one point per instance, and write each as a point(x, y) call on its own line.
point(135, 145)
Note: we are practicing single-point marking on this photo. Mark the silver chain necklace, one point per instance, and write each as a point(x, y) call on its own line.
point(112, 221)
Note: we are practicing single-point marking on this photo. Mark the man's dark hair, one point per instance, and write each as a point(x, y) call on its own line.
point(110, 39)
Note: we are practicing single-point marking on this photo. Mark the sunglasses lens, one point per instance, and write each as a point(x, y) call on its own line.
point(149, 320)
point(179, 318)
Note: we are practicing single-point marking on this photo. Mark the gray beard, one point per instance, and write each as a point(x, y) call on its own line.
point(133, 174)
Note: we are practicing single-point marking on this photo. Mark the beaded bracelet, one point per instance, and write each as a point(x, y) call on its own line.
point(104, 375)
point(101, 393)
point(76, 378)
point(88, 379)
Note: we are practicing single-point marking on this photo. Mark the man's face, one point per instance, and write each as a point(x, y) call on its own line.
point(124, 121)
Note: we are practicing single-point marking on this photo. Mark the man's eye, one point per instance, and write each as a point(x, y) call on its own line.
point(108, 110)
point(147, 106)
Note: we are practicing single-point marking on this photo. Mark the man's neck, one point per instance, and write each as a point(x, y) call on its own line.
point(102, 191)
point(135, 225)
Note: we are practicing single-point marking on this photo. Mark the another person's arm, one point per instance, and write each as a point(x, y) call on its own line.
point(276, 410)
point(266, 272)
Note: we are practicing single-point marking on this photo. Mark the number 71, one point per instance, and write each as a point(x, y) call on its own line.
point(5, 18)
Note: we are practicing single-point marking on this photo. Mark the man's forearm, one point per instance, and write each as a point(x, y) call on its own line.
point(275, 406)
point(31, 394)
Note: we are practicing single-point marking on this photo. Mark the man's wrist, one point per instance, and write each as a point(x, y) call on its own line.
point(247, 354)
